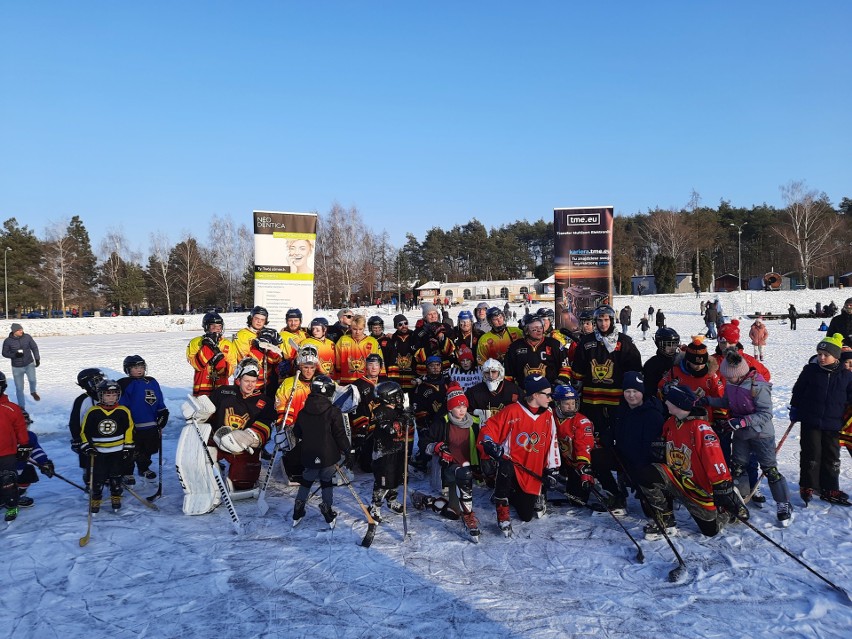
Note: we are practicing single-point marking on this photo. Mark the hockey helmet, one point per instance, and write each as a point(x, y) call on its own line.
point(257, 310)
point(666, 337)
point(212, 318)
point(389, 393)
point(134, 360)
point(375, 320)
point(293, 313)
point(323, 385)
point(88, 379)
point(465, 315)
point(247, 366)
point(109, 386)
point(492, 312)
point(308, 354)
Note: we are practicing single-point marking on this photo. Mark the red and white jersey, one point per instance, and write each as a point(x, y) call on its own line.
point(576, 437)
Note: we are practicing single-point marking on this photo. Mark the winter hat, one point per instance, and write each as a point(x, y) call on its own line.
point(696, 352)
point(681, 396)
point(733, 366)
point(535, 384)
point(831, 344)
point(730, 332)
point(633, 380)
point(399, 318)
point(17, 327)
point(844, 355)
point(482, 305)
point(428, 307)
point(455, 397)
point(432, 359)
point(464, 353)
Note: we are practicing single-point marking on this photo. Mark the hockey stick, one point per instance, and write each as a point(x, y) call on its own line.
point(845, 594)
point(371, 523)
point(144, 501)
point(57, 475)
point(763, 472)
point(262, 505)
point(679, 572)
point(217, 475)
point(405, 483)
point(85, 538)
point(159, 492)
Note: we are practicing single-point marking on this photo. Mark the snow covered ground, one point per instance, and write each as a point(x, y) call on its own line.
point(163, 574)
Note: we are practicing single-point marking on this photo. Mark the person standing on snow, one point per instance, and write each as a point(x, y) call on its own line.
point(22, 350)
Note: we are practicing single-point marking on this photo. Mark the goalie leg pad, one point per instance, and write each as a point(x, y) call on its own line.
point(201, 494)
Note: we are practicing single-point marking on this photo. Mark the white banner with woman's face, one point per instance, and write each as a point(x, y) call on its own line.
point(284, 262)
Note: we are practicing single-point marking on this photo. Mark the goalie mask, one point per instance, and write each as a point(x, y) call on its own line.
point(493, 374)
point(307, 355)
point(247, 366)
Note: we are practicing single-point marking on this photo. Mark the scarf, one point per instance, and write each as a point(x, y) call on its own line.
point(465, 422)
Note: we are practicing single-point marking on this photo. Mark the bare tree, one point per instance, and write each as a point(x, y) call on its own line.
point(191, 268)
point(227, 255)
point(667, 231)
point(159, 269)
point(809, 225)
point(59, 259)
point(339, 253)
point(117, 255)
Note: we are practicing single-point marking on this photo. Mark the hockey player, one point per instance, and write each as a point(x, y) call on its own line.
point(241, 424)
point(548, 315)
point(289, 400)
point(142, 395)
point(465, 373)
point(452, 440)
point(693, 371)
point(587, 321)
point(729, 337)
point(429, 397)
point(495, 343)
point(107, 435)
point(324, 346)
point(601, 361)
point(319, 427)
point(376, 327)
point(433, 340)
point(576, 437)
point(465, 333)
point(522, 439)
point(400, 355)
point(87, 379)
point(494, 392)
point(14, 443)
point(748, 400)
point(360, 420)
point(535, 354)
point(351, 351)
point(262, 343)
point(390, 428)
point(694, 471)
point(292, 334)
point(211, 355)
point(668, 347)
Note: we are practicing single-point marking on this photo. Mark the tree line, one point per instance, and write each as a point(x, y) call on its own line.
point(807, 238)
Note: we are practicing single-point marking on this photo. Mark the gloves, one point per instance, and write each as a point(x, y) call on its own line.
point(794, 414)
point(494, 451)
point(47, 469)
point(211, 342)
point(37, 362)
point(87, 449)
point(442, 451)
point(218, 357)
point(658, 450)
point(24, 451)
point(75, 446)
point(162, 418)
point(266, 346)
point(236, 441)
point(285, 439)
point(548, 479)
point(734, 424)
point(198, 408)
point(127, 454)
point(587, 479)
point(726, 499)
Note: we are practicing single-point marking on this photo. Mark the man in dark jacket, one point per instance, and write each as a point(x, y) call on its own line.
point(324, 442)
point(792, 315)
point(22, 350)
point(841, 323)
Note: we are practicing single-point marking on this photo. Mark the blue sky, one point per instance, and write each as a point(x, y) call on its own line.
point(151, 116)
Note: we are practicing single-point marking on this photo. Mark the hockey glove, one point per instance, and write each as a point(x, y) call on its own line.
point(75, 446)
point(733, 424)
point(442, 452)
point(127, 455)
point(87, 449)
point(794, 414)
point(199, 408)
point(494, 451)
point(548, 479)
point(214, 361)
point(727, 499)
point(236, 441)
point(587, 479)
point(47, 469)
point(24, 452)
point(163, 418)
point(210, 343)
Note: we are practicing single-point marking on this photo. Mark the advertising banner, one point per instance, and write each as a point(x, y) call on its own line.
point(284, 263)
point(582, 259)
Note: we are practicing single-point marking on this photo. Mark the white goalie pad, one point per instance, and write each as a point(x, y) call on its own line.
point(201, 495)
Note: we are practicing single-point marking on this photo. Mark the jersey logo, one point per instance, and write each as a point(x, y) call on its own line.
point(602, 373)
point(535, 370)
point(527, 441)
point(107, 427)
point(233, 420)
point(261, 403)
point(150, 397)
point(680, 460)
point(404, 362)
point(356, 365)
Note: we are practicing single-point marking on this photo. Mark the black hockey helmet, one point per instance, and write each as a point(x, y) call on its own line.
point(319, 321)
point(212, 318)
point(269, 334)
point(605, 309)
point(375, 320)
point(292, 313)
point(134, 360)
point(492, 312)
point(257, 310)
point(88, 379)
point(389, 393)
point(666, 336)
point(3, 383)
point(108, 386)
point(586, 315)
point(323, 385)
point(546, 311)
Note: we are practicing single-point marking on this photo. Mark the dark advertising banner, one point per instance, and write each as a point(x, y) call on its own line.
point(582, 259)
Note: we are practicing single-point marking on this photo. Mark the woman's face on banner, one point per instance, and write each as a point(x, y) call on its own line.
point(299, 251)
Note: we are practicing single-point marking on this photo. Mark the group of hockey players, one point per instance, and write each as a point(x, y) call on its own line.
point(525, 412)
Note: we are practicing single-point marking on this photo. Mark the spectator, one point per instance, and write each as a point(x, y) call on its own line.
point(660, 318)
point(842, 324)
point(758, 334)
point(23, 351)
point(624, 318)
point(792, 315)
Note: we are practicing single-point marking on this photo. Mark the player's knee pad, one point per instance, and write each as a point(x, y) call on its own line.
point(737, 470)
point(464, 475)
point(773, 475)
point(8, 479)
